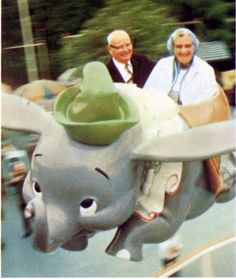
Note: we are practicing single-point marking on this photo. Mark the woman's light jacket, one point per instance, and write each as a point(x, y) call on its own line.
point(198, 84)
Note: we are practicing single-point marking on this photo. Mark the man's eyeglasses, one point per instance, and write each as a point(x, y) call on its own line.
point(122, 47)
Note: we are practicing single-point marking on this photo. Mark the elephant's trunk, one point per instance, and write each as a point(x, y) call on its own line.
point(41, 239)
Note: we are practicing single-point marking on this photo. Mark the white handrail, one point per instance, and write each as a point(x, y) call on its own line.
point(194, 255)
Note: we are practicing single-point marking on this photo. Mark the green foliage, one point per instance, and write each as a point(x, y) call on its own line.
point(215, 18)
point(10, 24)
point(147, 23)
point(55, 18)
point(11, 36)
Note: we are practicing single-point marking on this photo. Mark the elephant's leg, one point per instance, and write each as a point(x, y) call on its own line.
point(124, 243)
point(130, 237)
point(228, 172)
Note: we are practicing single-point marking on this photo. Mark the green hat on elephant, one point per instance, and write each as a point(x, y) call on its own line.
point(95, 113)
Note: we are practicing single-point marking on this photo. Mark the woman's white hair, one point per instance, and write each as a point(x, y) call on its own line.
point(179, 33)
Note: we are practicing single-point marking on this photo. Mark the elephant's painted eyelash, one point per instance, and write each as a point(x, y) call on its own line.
point(103, 173)
point(38, 155)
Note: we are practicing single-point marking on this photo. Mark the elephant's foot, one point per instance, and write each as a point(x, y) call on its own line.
point(28, 233)
point(78, 243)
point(124, 248)
point(227, 195)
point(228, 172)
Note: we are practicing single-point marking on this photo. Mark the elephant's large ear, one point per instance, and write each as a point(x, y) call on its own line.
point(194, 144)
point(23, 115)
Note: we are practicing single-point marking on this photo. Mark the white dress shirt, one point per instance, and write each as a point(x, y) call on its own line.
point(122, 69)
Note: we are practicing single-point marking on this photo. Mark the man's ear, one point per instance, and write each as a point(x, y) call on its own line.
point(109, 49)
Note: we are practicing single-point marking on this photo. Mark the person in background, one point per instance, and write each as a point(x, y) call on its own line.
point(183, 76)
point(125, 66)
point(169, 252)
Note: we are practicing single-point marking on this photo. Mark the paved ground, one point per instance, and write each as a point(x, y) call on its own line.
point(19, 259)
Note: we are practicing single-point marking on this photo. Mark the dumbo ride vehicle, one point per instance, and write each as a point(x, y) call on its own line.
point(113, 155)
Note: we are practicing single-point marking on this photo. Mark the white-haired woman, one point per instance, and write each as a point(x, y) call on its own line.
point(183, 75)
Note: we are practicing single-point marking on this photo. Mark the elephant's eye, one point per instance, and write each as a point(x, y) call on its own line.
point(88, 207)
point(36, 189)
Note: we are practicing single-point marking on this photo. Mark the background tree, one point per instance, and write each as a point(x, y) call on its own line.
point(50, 20)
point(89, 21)
point(56, 18)
point(212, 20)
point(147, 23)
point(13, 70)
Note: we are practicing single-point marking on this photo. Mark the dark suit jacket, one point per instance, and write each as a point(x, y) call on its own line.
point(142, 67)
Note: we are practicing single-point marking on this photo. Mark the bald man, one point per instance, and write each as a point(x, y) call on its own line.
point(124, 65)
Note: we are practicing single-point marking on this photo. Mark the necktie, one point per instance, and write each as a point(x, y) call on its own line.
point(130, 73)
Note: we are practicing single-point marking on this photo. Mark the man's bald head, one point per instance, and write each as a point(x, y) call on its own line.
point(117, 35)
